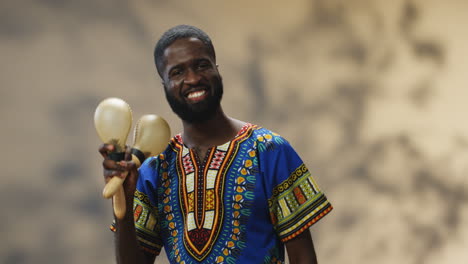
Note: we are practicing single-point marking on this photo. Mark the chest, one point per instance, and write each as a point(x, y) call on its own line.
point(224, 177)
point(203, 200)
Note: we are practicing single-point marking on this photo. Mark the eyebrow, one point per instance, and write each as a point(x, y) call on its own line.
point(197, 60)
point(201, 59)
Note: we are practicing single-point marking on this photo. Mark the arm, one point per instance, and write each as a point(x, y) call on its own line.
point(126, 244)
point(301, 249)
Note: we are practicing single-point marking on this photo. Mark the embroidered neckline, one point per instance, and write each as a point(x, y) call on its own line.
point(178, 138)
point(201, 191)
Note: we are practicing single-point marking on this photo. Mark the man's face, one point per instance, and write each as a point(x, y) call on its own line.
point(191, 79)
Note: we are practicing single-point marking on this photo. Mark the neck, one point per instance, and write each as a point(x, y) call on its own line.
point(215, 131)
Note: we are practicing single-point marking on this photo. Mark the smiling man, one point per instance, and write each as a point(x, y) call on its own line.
point(224, 190)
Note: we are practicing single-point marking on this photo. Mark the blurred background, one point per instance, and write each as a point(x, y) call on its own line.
point(371, 94)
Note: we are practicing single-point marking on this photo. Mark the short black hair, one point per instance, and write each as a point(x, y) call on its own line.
point(175, 33)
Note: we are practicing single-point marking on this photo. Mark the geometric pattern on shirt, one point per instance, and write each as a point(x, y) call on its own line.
point(242, 196)
point(273, 256)
point(201, 192)
point(146, 223)
point(296, 204)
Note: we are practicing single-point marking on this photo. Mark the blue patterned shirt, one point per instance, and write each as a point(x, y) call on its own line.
point(239, 205)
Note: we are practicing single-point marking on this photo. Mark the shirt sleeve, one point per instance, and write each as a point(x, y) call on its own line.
point(296, 202)
point(145, 208)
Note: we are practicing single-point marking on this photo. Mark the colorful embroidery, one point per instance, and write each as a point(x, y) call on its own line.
point(268, 141)
point(274, 256)
point(297, 203)
point(202, 190)
point(146, 222)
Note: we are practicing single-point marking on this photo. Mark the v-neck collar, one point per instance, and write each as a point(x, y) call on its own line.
point(246, 126)
point(201, 161)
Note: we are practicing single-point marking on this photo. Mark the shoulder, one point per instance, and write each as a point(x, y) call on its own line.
point(266, 139)
point(149, 167)
point(152, 164)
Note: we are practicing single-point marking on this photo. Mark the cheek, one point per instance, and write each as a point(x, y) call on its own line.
point(172, 89)
point(216, 79)
point(169, 86)
point(165, 87)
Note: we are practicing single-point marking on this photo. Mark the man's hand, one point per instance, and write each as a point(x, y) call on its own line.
point(301, 249)
point(125, 169)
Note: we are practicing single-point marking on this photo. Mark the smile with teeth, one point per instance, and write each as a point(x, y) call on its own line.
point(195, 95)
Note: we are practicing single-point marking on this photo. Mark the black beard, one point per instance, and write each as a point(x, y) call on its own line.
point(198, 112)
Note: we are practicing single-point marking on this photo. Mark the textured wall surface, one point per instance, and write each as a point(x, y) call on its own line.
point(371, 93)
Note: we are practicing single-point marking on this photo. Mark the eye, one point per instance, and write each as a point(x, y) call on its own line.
point(175, 72)
point(203, 65)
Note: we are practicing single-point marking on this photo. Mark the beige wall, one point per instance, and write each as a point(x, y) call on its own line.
point(371, 94)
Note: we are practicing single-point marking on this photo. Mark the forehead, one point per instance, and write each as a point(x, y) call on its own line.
point(185, 49)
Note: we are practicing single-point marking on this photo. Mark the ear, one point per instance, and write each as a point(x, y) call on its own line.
point(164, 86)
point(163, 83)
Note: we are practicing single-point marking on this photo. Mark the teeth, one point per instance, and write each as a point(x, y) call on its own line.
point(196, 94)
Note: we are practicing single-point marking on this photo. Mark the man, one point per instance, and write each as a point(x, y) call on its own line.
point(224, 191)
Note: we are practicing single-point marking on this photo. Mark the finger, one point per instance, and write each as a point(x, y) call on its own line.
point(133, 174)
point(109, 164)
point(114, 173)
point(127, 165)
point(105, 149)
point(128, 153)
point(109, 174)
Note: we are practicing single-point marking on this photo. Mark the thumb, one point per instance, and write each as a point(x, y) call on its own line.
point(132, 177)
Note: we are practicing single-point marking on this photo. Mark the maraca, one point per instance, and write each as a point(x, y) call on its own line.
point(151, 136)
point(113, 120)
point(152, 133)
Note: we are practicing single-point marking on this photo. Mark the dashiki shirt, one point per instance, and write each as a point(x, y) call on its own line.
point(238, 205)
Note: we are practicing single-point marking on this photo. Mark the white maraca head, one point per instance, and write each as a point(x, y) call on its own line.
point(113, 120)
point(152, 134)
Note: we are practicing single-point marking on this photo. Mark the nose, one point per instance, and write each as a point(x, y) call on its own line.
point(192, 77)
